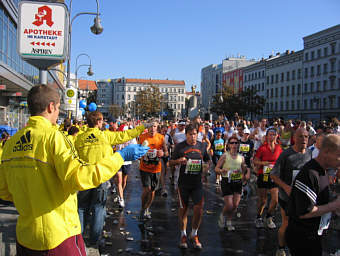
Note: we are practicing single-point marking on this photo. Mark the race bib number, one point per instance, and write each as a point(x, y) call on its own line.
point(244, 148)
point(219, 146)
point(266, 172)
point(235, 175)
point(194, 166)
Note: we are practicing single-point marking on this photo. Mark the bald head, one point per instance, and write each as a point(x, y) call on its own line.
point(301, 139)
point(330, 142)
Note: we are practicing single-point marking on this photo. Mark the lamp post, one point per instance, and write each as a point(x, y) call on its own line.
point(89, 73)
point(95, 29)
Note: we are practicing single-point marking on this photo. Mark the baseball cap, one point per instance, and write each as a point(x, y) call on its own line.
point(246, 131)
point(182, 122)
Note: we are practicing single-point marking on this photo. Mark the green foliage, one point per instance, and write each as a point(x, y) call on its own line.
point(148, 102)
point(245, 102)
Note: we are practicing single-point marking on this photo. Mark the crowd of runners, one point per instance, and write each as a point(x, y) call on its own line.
point(292, 162)
point(273, 153)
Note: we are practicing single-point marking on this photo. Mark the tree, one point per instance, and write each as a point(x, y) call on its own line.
point(115, 110)
point(148, 102)
point(245, 102)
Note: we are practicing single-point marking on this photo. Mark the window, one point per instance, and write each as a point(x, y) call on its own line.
point(332, 82)
point(293, 75)
point(293, 90)
point(276, 92)
point(319, 53)
point(305, 88)
point(325, 85)
point(324, 103)
point(325, 68)
point(318, 70)
point(271, 106)
point(306, 72)
point(299, 89)
point(311, 104)
point(312, 71)
point(267, 94)
point(311, 87)
point(299, 74)
point(287, 105)
point(312, 55)
point(332, 65)
point(293, 105)
point(129, 97)
point(318, 86)
point(333, 48)
point(134, 89)
point(287, 91)
point(122, 96)
point(282, 77)
point(288, 76)
point(306, 56)
point(267, 79)
point(281, 92)
point(339, 102)
point(305, 104)
point(281, 106)
point(325, 51)
point(271, 92)
point(297, 104)
point(276, 78)
point(272, 79)
point(262, 86)
point(275, 106)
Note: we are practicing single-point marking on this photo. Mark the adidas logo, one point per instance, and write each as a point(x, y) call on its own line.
point(24, 143)
point(91, 138)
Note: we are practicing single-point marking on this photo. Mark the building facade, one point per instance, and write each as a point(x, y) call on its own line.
point(123, 92)
point(321, 74)
point(212, 78)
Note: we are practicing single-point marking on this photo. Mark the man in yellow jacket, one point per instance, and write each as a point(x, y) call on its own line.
point(92, 146)
point(41, 174)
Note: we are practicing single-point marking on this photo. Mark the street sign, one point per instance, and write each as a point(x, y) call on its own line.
point(70, 99)
point(43, 33)
point(2, 87)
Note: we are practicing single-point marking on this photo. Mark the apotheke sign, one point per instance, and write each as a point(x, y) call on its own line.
point(42, 30)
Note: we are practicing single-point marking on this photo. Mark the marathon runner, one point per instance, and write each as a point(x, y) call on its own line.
point(265, 159)
point(233, 169)
point(218, 149)
point(309, 207)
point(285, 169)
point(190, 155)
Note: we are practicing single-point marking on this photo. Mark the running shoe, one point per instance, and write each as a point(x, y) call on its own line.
point(270, 223)
point(147, 214)
point(221, 221)
point(280, 252)
point(164, 193)
point(196, 243)
point(229, 226)
point(183, 243)
point(121, 203)
point(259, 223)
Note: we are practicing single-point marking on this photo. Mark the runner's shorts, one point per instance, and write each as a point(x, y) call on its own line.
point(185, 193)
point(265, 184)
point(215, 159)
point(230, 188)
point(150, 179)
point(125, 169)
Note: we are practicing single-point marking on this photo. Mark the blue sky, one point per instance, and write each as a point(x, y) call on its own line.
point(175, 39)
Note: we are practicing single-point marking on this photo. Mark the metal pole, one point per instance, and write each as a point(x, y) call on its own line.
point(43, 76)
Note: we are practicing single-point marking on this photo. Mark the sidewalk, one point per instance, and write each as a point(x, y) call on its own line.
point(8, 218)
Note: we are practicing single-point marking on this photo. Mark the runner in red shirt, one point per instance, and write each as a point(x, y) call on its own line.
point(265, 159)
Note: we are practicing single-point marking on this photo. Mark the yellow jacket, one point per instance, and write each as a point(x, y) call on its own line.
point(94, 144)
point(41, 174)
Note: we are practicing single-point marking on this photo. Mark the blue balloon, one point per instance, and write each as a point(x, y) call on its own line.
point(82, 111)
point(107, 126)
point(92, 107)
point(82, 104)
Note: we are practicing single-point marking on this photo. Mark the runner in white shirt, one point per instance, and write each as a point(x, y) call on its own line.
point(260, 133)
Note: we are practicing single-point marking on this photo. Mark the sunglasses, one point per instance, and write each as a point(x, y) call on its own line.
point(233, 142)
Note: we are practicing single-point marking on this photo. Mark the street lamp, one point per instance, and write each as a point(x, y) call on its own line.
point(97, 29)
point(89, 73)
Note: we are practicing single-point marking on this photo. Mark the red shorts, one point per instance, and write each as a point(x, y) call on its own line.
point(72, 246)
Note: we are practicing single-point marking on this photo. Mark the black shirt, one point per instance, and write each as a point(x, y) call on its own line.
point(310, 188)
point(191, 174)
point(246, 149)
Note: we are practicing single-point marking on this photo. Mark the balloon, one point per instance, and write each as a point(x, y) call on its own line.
point(82, 111)
point(92, 107)
point(107, 126)
point(82, 104)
